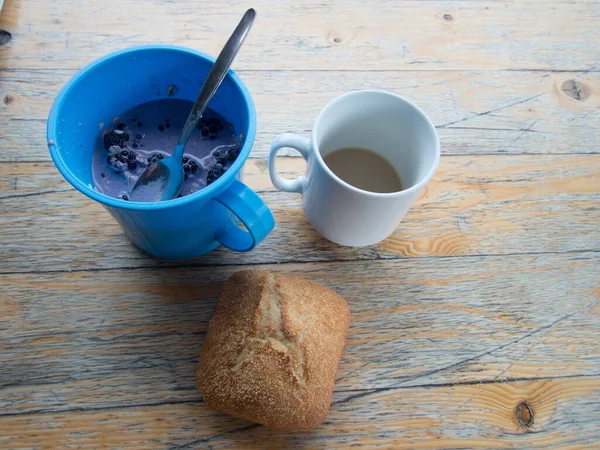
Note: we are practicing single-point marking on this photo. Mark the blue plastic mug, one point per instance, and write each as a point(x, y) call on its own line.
point(180, 228)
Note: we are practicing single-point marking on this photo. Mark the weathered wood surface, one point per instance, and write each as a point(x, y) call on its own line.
point(124, 338)
point(425, 417)
point(486, 297)
point(312, 34)
point(475, 205)
point(475, 112)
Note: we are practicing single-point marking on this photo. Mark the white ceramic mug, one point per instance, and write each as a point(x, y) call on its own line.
point(379, 121)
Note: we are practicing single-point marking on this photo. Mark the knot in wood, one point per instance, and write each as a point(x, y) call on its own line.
point(575, 89)
point(524, 413)
point(5, 37)
point(335, 38)
point(8, 99)
point(448, 17)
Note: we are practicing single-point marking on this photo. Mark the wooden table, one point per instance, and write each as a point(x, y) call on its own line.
point(475, 325)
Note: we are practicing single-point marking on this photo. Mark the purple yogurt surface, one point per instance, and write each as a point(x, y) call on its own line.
point(149, 132)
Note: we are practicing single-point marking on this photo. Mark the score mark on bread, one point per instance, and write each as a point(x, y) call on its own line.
point(270, 330)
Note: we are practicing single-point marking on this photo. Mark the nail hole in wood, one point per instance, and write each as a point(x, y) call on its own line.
point(5, 37)
point(448, 17)
point(337, 40)
point(8, 99)
point(575, 89)
point(524, 413)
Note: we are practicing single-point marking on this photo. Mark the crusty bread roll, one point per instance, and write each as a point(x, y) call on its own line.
point(272, 350)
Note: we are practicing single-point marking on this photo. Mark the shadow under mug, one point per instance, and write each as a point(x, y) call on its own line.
point(181, 228)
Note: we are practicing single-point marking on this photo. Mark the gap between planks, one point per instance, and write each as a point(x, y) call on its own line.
point(357, 393)
point(406, 260)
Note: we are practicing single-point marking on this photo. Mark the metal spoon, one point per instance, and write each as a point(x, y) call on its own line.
point(162, 180)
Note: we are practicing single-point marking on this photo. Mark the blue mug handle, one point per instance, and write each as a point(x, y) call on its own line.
point(252, 211)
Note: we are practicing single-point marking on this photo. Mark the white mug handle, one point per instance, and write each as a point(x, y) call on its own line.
point(293, 141)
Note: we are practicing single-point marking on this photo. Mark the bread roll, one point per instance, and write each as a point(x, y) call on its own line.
point(272, 350)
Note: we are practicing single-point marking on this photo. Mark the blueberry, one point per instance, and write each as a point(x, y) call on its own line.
point(204, 132)
point(161, 127)
point(211, 173)
point(125, 153)
point(186, 168)
point(134, 145)
point(103, 175)
point(121, 127)
point(161, 156)
point(131, 156)
point(179, 195)
point(210, 179)
point(124, 197)
point(213, 129)
point(167, 125)
point(212, 136)
point(218, 166)
point(194, 168)
point(131, 165)
point(138, 136)
point(122, 135)
point(232, 154)
point(113, 138)
point(185, 160)
point(140, 124)
point(110, 159)
point(154, 158)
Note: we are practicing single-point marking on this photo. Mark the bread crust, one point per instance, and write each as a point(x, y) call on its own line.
point(272, 349)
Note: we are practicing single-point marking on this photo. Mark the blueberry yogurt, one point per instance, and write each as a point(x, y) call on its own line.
point(148, 133)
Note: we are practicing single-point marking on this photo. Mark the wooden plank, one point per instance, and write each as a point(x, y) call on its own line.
point(476, 112)
point(316, 35)
point(130, 337)
point(564, 415)
point(475, 205)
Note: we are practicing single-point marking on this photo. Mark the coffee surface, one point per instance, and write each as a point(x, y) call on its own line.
point(364, 169)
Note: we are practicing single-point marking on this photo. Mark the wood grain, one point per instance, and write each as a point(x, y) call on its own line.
point(475, 112)
point(476, 205)
point(463, 416)
point(130, 337)
point(343, 34)
point(474, 326)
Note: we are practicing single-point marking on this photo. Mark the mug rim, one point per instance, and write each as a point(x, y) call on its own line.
point(415, 187)
point(90, 192)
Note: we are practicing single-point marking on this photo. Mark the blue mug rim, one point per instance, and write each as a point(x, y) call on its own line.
point(210, 190)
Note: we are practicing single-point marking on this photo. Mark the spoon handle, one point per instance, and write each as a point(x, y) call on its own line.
point(214, 79)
